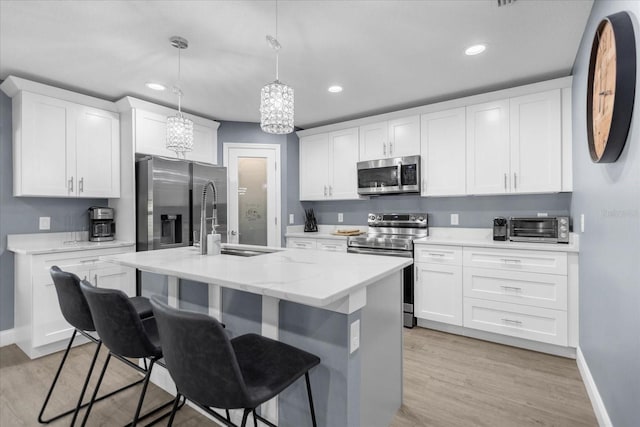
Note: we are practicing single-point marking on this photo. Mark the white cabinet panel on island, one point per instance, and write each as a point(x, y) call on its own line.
point(77, 147)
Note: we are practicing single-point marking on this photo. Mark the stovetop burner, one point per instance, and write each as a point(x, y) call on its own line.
point(392, 231)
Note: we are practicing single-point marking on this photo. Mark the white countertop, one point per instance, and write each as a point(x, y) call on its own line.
point(41, 243)
point(483, 238)
point(311, 277)
point(324, 231)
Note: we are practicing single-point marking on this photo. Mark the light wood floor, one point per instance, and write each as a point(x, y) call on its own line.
point(448, 381)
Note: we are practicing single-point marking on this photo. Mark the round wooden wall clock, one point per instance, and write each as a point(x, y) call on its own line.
point(611, 87)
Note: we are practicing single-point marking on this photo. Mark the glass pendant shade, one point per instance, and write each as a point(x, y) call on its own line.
point(276, 108)
point(179, 134)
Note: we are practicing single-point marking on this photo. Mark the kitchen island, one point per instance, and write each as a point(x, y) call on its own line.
point(345, 308)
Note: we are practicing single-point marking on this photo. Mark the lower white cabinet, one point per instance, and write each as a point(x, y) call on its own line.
point(40, 326)
point(324, 244)
point(438, 283)
point(521, 321)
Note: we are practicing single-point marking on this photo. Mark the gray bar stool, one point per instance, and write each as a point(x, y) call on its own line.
point(75, 310)
point(214, 371)
point(126, 335)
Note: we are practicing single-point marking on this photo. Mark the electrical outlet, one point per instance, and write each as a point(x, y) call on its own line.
point(582, 223)
point(45, 223)
point(340, 217)
point(454, 219)
point(291, 221)
point(355, 336)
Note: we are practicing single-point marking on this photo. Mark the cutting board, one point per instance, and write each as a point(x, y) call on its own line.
point(352, 232)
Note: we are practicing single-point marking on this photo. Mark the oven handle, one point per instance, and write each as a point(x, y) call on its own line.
point(404, 254)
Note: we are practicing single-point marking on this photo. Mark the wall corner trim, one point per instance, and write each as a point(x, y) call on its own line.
point(7, 337)
point(592, 390)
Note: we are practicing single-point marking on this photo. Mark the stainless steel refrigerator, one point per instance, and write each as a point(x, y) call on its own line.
point(168, 201)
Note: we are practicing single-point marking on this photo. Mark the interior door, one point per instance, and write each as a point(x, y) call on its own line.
point(254, 193)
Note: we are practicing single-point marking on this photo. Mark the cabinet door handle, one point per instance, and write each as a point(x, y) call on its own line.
point(435, 254)
point(95, 279)
point(505, 182)
point(330, 190)
point(71, 184)
point(81, 185)
point(89, 260)
point(325, 191)
point(384, 148)
point(301, 245)
point(515, 181)
point(391, 148)
point(516, 322)
point(515, 288)
point(511, 261)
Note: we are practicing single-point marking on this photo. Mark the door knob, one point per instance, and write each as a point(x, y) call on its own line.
point(233, 232)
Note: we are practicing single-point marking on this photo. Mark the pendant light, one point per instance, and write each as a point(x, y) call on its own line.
point(179, 128)
point(276, 99)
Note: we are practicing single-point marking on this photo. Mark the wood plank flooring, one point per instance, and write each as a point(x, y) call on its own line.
point(449, 381)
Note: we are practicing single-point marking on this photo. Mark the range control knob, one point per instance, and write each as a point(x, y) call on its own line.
point(372, 217)
point(420, 218)
point(413, 218)
point(379, 218)
point(563, 228)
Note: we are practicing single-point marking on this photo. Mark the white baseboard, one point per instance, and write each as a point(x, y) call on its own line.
point(592, 390)
point(7, 337)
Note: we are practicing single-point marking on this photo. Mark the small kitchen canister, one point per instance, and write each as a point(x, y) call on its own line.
point(214, 245)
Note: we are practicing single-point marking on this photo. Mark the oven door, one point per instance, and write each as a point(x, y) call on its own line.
point(409, 319)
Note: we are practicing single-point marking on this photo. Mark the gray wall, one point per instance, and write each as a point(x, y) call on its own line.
point(609, 197)
point(21, 214)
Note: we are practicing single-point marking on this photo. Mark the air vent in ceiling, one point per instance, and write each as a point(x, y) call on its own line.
point(505, 2)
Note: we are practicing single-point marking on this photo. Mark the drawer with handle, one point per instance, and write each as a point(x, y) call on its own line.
point(335, 245)
point(518, 260)
point(451, 255)
point(301, 243)
point(534, 289)
point(533, 323)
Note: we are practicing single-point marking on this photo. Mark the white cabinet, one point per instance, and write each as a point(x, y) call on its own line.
point(488, 148)
point(76, 147)
point(536, 143)
point(393, 138)
point(515, 145)
point(328, 166)
point(438, 283)
point(40, 327)
point(443, 151)
point(150, 129)
point(323, 244)
point(519, 293)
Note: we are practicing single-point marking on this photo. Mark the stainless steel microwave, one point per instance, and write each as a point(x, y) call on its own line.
point(389, 176)
point(552, 229)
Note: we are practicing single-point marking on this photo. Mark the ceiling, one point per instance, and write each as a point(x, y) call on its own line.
point(387, 55)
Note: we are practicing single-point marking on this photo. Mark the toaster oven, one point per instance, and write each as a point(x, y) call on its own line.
point(552, 229)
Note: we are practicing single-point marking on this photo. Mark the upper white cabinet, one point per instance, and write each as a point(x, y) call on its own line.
point(393, 138)
point(442, 147)
point(151, 133)
point(515, 145)
point(536, 143)
point(488, 148)
point(328, 166)
point(62, 148)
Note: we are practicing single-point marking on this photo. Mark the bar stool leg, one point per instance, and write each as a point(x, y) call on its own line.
point(174, 409)
point(95, 392)
point(55, 380)
point(142, 394)
point(244, 417)
point(86, 383)
point(313, 413)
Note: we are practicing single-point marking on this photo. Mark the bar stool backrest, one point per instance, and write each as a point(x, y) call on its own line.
point(73, 304)
point(118, 323)
point(199, 357)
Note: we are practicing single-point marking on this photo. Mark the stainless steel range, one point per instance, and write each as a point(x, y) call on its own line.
point(393, 235)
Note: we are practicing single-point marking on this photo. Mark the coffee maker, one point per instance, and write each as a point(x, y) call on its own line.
point(500, 228)
point(102, 228)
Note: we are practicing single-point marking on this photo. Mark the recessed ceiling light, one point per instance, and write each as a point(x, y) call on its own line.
point(475, 49)
point(335, 89)
point(155, 86)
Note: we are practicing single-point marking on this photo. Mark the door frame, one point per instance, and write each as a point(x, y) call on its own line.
point(227, 146)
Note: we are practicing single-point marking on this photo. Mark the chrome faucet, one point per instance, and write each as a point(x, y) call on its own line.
point(203, 219)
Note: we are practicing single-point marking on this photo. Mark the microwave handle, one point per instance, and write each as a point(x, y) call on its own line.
point(400, 174)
